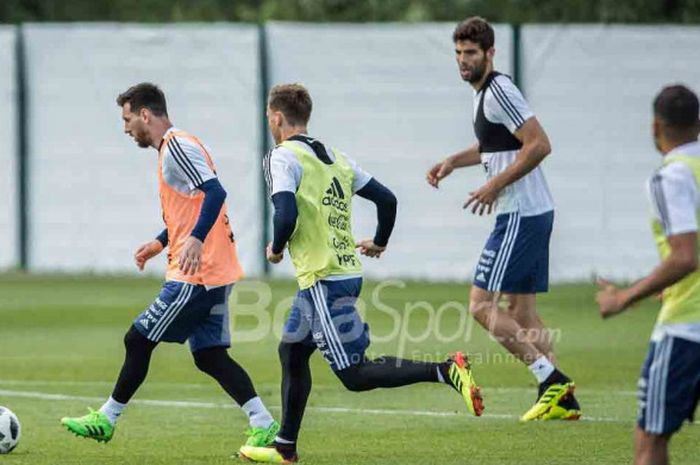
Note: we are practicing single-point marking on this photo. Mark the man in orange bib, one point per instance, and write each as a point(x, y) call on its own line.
point(202, 268)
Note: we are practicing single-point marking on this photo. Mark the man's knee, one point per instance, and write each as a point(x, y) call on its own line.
point(480, 304)
point(294, 356)
point(648, 443)
point(134, 340)
point(521, 306)
point(353, 379)
point(286, 353)
point(654, 440)
point(284, 350)
point(207, 360)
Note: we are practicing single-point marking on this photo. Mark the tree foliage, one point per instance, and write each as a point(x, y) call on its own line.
point(513, 11)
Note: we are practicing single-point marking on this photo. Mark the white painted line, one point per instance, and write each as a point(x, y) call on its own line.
point(53, 382)
point(40, 382)
point(579, 390)
point(212, 405)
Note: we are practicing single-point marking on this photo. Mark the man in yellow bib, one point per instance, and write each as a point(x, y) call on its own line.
point(311, 186)
point(669, 386)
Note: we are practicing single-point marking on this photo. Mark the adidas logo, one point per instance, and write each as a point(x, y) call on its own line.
point(335, 195)
point(95, 431)
point(144, 322)
point(336, 190)
point(481, 277)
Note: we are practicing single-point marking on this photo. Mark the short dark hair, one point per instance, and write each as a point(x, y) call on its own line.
point(293, 100)
point(475, 29)
point(144, 95)
point(677, 106)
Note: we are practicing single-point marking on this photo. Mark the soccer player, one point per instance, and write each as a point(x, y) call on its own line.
point(669, 386)
point(311, 186)
point(202, 268)
point(514, 264)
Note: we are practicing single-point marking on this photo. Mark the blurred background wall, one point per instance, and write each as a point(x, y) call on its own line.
point(387, 93)
point(93, 192)
point(9, 230)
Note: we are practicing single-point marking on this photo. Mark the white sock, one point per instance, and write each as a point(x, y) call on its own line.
point(112, 409)
point(440, 377)
point(542, 368)
point(283, 441)
point(258, 416)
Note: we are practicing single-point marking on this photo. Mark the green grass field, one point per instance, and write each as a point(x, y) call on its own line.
point(61, 348)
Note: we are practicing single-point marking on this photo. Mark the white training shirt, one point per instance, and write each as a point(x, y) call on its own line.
point(675, 200)
point(674, 193)
point(504, 104)
point(184, 165)
point(284, 171)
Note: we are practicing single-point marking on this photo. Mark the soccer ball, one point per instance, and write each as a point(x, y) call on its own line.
point(10, 430)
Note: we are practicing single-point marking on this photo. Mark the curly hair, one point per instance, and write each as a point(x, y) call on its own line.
point(475, 29)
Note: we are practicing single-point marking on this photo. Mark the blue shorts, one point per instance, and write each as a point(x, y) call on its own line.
point(184, 312)
point(325, 316)
point(669, 386)
point(515, 259)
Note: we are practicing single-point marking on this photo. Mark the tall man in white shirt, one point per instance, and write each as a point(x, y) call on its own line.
point(514, 265)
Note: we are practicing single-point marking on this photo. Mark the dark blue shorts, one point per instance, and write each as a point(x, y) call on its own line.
point(325, 316)
point(184, 312)
point(669, 386)
point(515, 259)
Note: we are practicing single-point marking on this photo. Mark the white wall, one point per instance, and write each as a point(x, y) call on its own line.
point(592, 88)
point(390, 96)
point(8, 149)
point(94, 192)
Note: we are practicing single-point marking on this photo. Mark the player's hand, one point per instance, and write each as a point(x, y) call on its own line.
point(368, 248)
point(272, 257)
point(611, 300)
point(438, 172)
point(483, 199)
point(146, 252)
point(191, 255)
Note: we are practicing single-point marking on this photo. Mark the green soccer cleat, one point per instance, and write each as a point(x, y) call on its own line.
point(262, 437)
point(265, 455)
point(462, 379)
point(95, 425)
point(548, 405)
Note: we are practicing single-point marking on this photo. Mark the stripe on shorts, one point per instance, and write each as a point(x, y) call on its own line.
point(171, 312)
point(658, 378)
point(501, 261)
point(511, 245)
point(334, 344)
